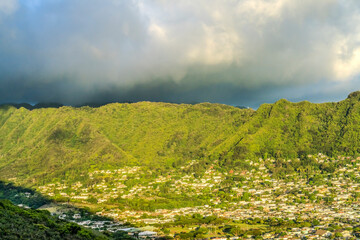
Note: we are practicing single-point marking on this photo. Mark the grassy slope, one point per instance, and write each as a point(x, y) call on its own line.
point(50, 143)
point(286, 129)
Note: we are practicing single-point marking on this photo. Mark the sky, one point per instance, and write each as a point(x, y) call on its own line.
point(243, 52)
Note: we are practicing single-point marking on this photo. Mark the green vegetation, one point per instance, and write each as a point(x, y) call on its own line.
point(157, 164)
point(42, 145)
point(19, 195)
point(24, 222)
point(48, 144)
point(19, 223)
point(291, 130)
point(197, 226)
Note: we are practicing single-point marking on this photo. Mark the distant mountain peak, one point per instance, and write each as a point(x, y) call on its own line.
point(36, 106)
point(354, 95)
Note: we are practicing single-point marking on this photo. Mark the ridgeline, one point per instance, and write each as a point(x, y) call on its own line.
point(44, 144)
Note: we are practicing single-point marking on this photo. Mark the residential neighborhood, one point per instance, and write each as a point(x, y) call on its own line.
point(237, 195)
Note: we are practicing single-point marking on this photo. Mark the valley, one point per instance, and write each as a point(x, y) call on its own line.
point(326, 195)
point(159, 170)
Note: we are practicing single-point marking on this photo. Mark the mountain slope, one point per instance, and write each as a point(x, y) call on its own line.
point(288, 130)
point(47, 143)
point(37, 146)
point(19, 223)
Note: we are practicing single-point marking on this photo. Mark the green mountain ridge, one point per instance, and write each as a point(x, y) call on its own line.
point(39, 145)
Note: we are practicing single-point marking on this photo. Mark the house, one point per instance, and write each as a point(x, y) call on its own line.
point(322, 233)
point(346, 234)
point(147, 234)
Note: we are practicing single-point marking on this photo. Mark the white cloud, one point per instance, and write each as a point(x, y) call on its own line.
point(347, 63)
point(247, 43)
point(7, 7)
point(274, 41)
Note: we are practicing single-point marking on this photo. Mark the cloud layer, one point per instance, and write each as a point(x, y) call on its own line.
point(235, 52)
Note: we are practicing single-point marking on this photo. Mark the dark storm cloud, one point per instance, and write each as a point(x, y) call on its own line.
point(237, 52)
